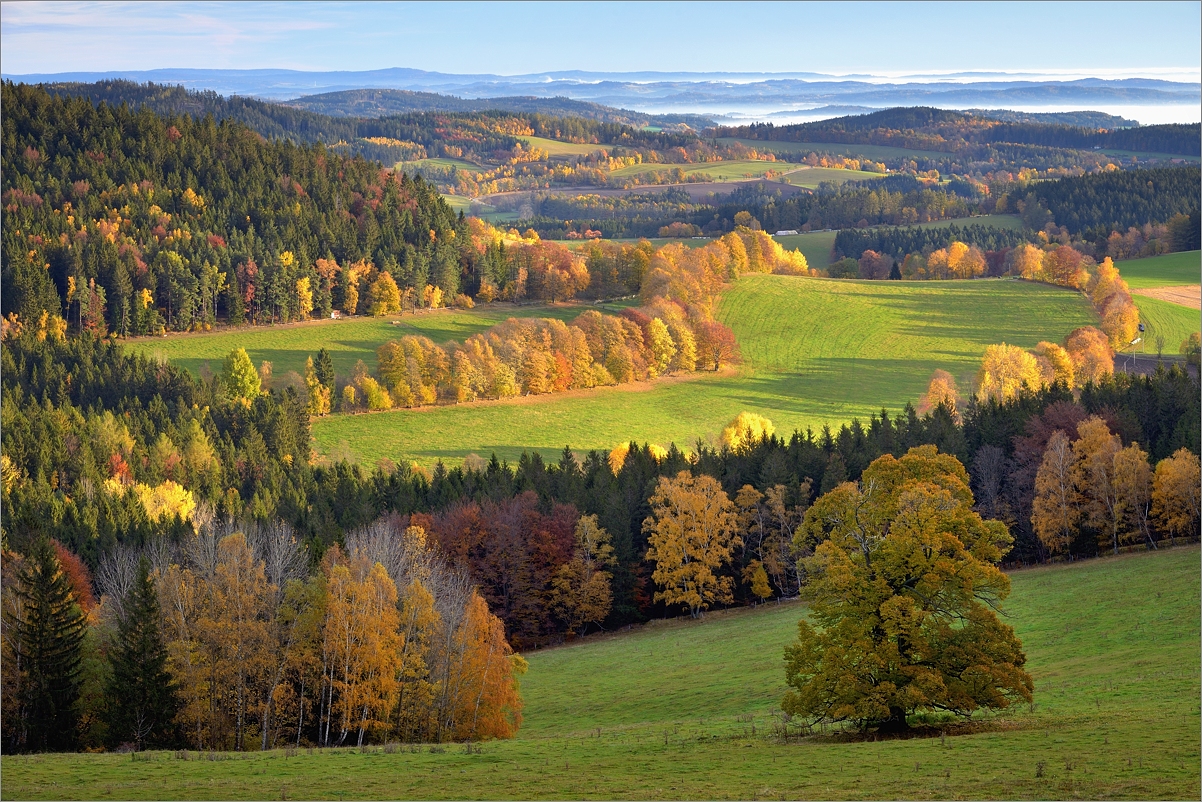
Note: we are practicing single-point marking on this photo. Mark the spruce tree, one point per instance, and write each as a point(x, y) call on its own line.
point(49, 633)
point(142, 700)
point(325, 368)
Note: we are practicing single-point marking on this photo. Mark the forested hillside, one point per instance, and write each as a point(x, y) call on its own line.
point(116, 214)
point(943, 130)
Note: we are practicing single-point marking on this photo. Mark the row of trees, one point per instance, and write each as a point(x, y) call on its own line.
point(235, 640)
point(86, 424)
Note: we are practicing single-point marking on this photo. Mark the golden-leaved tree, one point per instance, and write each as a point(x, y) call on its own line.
point(692, 531)
point(903, 589)
point(1175, 493)
point(580, 589)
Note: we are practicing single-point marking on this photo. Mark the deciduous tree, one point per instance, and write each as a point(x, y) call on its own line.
point(903, 589)
point(692, 531)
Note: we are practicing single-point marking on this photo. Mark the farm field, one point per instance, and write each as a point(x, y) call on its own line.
point(1006, 221)
point(815, 245)
point(1169, 270)
point(1146, 155)
point(440, 162)
point(811, 177)
point(738, 170)
point(554, 147)
point(1112, 644)
point(817, 351)
point(1173, 321)
point(348, 340)
point(876, 152)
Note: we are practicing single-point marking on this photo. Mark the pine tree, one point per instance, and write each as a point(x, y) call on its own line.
point(141, 695)
point(49, 635)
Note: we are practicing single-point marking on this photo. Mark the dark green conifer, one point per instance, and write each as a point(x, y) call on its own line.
point(142, 700)
point(48, 632)
point(325, 368)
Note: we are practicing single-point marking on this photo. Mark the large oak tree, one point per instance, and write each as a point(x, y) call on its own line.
point(904, 592)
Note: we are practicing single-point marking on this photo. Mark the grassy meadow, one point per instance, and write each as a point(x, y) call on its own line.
point(875, 152)
point(1173, 321)
point(815, 245)
point(1169, 270)
point(348, 340)
point(816, 351)
point(554, 147)
point(683, 710)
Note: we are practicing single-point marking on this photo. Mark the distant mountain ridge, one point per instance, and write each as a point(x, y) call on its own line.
point(386, 102)
point(654, 93)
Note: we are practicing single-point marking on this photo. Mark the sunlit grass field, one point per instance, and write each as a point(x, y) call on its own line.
point(1169, 270)
point(875, 152)
point(1173, 321)
point(683, 710)
point(816, 351)
point(554, 147)
point(348, 340)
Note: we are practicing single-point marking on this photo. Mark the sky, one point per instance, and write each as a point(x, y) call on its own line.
point(1141, 39)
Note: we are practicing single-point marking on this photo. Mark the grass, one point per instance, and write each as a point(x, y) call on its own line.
point(440, 162)
point(1170, 270)
point(874, 152)
point(811, 177)
point(1143, 155)
point(817, 351)
point(347, 340)
point(814, 245)
point(554, 147)
point(667, 712)
point(743, 169)
point(1173, 321)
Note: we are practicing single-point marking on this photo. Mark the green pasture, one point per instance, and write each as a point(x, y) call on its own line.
point(814, 245)
point(1173, 321)
point(1144, 155)
point(1169, 270)
point(554, 147)
point(441, 163)
point(684, 710)
point(348, 340)
point(875, 152)
point(733, 170)
point(811, 177)
point(816, 351)
point(1006, 221)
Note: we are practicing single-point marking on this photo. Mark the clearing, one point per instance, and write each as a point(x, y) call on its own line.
point(684, 710)
point(1169, 270)
point(874, 152)
point(816, 351)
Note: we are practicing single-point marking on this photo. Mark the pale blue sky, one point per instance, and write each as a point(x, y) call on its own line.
point(1105, 39)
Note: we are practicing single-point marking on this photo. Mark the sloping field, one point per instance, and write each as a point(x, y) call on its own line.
point(1172, 269)
point(1173, 321)
point(815, 245)
point(817, 351)
point(681, 710)
point(876, 152)
point(811, 177)
point(556, 148)
point(349, 340)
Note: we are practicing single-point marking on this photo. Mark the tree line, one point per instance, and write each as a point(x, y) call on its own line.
point(229, 638)
point(928, 128)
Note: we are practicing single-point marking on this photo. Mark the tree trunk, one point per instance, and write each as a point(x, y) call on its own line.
point(896, 721)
